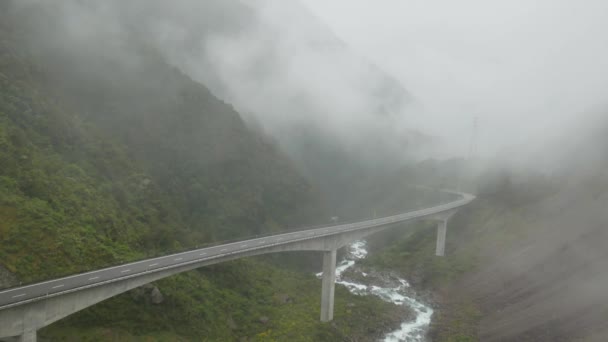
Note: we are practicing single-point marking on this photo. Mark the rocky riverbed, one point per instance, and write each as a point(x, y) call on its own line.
point(389, 287)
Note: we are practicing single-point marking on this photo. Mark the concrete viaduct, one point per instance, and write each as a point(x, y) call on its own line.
point(25, 309)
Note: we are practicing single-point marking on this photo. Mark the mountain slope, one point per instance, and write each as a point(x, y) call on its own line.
point(338, 116)
point(527, 260)
point(124, 158)
point(109, 154)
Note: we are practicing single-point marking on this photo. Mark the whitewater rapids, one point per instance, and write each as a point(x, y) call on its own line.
point(410, 331)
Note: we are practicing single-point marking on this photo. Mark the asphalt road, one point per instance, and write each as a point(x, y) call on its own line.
point(21, 295)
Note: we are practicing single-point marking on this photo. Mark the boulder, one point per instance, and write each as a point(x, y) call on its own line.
point(231, 324)
point(156, 297)
point(283, 298)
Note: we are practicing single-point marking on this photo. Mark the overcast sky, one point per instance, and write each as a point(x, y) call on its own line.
point(526, 68)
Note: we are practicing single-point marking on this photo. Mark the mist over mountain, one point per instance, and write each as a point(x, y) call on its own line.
point(164, 163)
point(110, 153)
point(132, 129)
point(547, 284)
point(339, 117)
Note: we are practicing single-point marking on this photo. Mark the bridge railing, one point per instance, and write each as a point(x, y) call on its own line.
point(286, 230)
point(215, 243)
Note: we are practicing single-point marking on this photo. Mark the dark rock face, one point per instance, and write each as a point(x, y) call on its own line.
point(147, 293)
point(7, 279)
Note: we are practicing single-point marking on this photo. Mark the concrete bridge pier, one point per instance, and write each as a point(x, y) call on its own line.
point(442, 227)
point(28, 336)
point(328, 285)
point(32, 319)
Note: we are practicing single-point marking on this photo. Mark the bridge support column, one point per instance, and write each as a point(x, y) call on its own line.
point(442, 228)
point(29, 336)
point(328, 285)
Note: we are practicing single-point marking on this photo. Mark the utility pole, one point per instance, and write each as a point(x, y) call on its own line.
point(473, 144)
point(468, 162)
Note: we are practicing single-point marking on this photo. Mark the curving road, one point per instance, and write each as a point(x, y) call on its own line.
point(25, 294)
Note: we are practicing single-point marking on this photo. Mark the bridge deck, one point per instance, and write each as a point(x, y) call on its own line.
point(25, 294)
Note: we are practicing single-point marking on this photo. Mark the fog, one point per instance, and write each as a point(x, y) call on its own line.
point(534, 73)
point(381, 79)
point(373, 85)
point(527, 69)
point(341, 84)
point(287, 73)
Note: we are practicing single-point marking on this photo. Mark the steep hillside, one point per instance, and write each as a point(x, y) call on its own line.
point(547, 282)
point(125, 159)
point(527, 260)
point(339, 117)
point(109, 154)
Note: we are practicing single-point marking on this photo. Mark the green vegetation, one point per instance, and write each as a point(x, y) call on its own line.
point(414, 257)
point(103, 170)
point(495, 223)
point(104, 162)
point(229, 302)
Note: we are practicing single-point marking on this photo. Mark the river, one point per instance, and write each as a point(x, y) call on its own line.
point(391, 289)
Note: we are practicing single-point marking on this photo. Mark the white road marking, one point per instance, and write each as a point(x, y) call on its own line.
point(178, 259)
point(93, 278)
point(243, 245)
point(19, 295)
point(261, 242)
point(203, 254)
point(58, 286)
point(125, 271)
point(223, 250)
point(152, 265)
